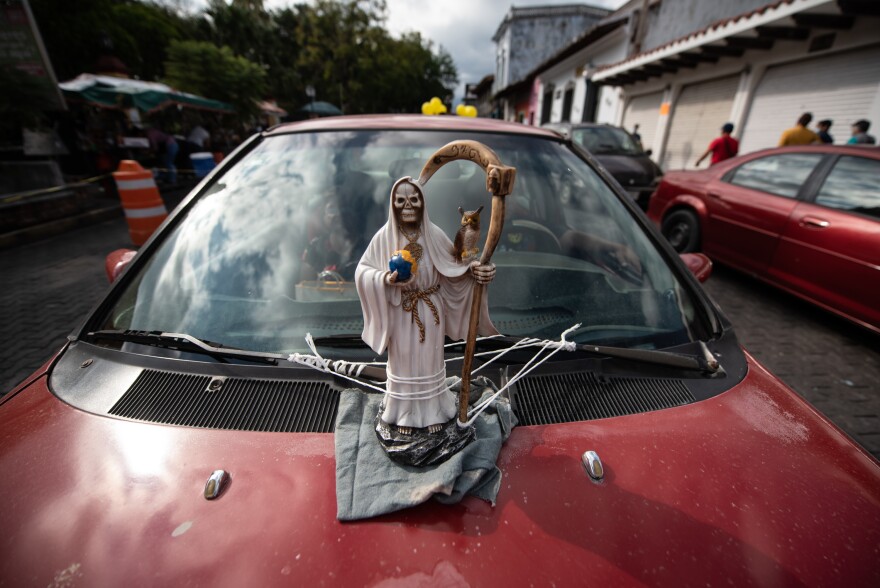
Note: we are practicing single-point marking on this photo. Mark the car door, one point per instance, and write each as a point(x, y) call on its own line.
point(830, 249)
point(749, 207)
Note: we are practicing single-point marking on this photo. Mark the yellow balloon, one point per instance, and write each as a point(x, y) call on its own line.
point(435, 102)
point(426, 108)
point(470, 110)
point(441, 109)
point(460, 110)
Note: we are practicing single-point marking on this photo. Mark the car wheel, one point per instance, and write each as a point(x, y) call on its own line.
point(682, 230)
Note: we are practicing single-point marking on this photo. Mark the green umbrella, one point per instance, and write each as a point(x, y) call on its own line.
point(321, 109)
point(110, 92)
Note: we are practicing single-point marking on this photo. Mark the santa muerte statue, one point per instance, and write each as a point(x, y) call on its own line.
point(414, 292)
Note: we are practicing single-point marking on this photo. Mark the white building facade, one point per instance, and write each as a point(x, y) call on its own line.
point(756, 64)
point(760, 70)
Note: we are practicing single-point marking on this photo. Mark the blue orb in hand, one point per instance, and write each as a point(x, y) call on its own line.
point(403, 263)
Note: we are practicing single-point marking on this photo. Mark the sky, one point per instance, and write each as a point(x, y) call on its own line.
point(464, 28)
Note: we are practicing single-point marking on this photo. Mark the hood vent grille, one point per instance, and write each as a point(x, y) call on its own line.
point(566, 398)
point(310, 406)
point(287, 406)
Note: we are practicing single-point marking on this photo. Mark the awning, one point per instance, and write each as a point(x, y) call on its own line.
point(270, 107)
point(757, 30)
point(122, 93)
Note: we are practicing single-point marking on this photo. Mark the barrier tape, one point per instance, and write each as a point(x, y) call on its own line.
point(5, 199)
point(22, 195)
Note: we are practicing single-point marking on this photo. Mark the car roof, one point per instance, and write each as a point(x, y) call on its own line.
point(872, 151)
point(409, 122)
point(582, 125)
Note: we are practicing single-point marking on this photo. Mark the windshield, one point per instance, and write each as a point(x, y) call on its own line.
point(268, 252)
point(606, 141)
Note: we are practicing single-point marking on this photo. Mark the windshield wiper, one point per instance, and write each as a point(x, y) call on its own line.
point(340, 341)
point(184, 342)
point(703, 361)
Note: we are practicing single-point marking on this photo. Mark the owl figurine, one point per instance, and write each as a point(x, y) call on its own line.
point(464, 248)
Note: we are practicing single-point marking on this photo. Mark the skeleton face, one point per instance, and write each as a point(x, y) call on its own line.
point(408, 204)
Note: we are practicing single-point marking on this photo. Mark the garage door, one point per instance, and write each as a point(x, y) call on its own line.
point(697, 118)
point(839, 87)
point(644, 111)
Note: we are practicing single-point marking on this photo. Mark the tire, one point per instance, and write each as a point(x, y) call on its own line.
point(682, 229)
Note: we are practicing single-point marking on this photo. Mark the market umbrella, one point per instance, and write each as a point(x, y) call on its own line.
point(111, 92)
point(321, 109)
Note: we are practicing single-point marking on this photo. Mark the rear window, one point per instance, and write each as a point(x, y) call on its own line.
point(782, 175)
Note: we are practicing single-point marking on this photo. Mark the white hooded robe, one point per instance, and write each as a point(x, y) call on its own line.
point(388, 325)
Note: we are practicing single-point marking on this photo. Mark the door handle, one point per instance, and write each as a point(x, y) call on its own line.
point(815, 222)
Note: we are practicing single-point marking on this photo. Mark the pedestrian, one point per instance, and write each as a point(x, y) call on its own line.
point(200, 137)
point(824, 126)
point(637, 136)
point(860, 134)
point(724, 147)
point(165, 147)
point(800, 134)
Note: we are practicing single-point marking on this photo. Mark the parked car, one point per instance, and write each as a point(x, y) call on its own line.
point(804, 219)
point(178, 388)
point(620, 152)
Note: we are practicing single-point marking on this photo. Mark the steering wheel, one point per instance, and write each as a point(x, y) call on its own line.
point(527, 235)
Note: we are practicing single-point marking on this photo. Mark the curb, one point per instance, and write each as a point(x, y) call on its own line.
point(52, 228)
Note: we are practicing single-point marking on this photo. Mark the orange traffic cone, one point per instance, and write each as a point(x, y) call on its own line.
point(141, 202)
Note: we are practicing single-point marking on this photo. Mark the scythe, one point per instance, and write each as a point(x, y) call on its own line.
point(499, 183)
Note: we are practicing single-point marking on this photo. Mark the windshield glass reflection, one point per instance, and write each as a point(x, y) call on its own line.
point(268, 253)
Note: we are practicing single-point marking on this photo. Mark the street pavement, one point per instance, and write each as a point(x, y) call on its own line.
point(49, 286)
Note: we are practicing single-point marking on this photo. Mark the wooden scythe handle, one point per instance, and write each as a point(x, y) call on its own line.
point(499, 182)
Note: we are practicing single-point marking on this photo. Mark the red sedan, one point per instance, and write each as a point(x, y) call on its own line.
point(179, 437)
point(805, 219)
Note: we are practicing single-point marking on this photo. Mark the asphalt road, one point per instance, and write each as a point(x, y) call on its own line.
point(50, 285)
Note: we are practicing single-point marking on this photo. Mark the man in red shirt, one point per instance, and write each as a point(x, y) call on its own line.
point(724, 147)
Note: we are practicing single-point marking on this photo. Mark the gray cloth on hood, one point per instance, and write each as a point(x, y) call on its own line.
point(369, 484)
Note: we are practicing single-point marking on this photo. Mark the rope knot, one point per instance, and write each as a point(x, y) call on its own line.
point(411, 304)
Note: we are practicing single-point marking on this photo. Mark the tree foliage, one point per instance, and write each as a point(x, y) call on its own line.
point(341, 48)
point(203, 68)
point(138, 33)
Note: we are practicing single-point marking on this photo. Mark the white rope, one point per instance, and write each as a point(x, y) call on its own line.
point(530, 366)
point(436, 381)
point(352, 370)
point(338, 367)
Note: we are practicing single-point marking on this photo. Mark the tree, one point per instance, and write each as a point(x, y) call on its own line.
point(339, 47)
point(349, 57)
point(138, 34)
point(215, 72)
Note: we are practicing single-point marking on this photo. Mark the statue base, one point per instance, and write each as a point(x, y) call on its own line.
point(420, 447)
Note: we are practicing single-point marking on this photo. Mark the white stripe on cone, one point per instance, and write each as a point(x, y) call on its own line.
point(144, 212)
point(135, 184)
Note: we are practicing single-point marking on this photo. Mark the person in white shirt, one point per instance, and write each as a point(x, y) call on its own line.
point(200, 136)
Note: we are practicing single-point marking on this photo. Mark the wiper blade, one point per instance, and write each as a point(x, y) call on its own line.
point(340, 341)
point(704, 361)
point(184, 342)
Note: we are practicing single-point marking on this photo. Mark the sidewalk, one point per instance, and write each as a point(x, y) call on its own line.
point(94, 208)
point(49, 286)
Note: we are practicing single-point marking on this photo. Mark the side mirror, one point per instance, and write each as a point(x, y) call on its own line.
point(116, 262)
point(699, 264)
point(649, 152)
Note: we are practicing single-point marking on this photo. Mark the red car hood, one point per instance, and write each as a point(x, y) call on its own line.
point(752, 486)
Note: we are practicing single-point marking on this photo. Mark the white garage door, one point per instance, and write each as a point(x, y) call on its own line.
point(697, 117)
point(843, 88)
point(644, 111)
